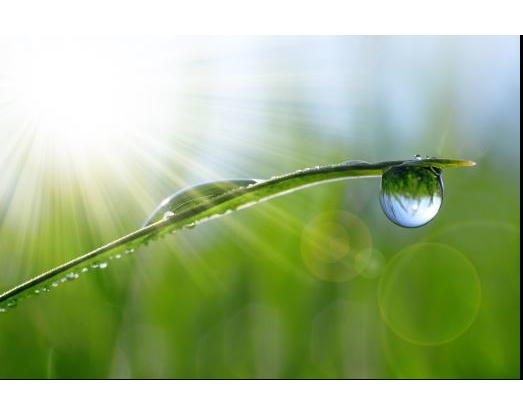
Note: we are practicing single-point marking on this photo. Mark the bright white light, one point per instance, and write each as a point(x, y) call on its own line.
point(86, 97)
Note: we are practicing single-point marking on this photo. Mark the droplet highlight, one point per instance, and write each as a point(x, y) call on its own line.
point(411, 196)
point(167, 214)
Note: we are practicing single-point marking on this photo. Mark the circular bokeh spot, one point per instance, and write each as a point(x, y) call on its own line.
point(429, 294)
point(331, 243)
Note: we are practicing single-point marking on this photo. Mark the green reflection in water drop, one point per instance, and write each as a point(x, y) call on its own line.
point(411, 196)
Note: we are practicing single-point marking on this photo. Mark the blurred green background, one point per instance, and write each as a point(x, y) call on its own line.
point(95, 132)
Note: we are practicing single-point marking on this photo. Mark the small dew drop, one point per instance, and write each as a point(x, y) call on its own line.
point(117, 256)
point(190, 226)
point(64, 279)
point(11, 304)
point(85, 269)
point(54, 284)
point(417, 157)
point(3, 310)
point(94, 265)
point(72, 276)
point(103, 265)
point(411, 196)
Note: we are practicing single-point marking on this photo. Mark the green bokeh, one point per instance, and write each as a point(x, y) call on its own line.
point(429, 294)
point(234, 297)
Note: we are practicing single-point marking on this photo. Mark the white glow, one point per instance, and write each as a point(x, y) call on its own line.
point(86, 97)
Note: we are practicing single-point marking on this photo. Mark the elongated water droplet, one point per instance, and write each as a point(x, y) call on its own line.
point(411, 196)
point(103, 265)
point(417, 157)
point(193, 196)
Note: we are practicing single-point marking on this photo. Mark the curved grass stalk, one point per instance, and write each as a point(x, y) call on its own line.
point(208, 209)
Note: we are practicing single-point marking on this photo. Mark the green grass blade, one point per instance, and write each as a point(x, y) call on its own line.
point(209, 209)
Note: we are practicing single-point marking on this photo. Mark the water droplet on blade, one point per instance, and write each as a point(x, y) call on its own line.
point(411, 196)
point(103, 265)
point(191, 197)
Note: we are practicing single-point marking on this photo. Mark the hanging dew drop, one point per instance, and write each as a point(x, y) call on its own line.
point(72, 276)
point(411, 196)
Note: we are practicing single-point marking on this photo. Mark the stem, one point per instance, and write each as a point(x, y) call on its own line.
point(232, 200)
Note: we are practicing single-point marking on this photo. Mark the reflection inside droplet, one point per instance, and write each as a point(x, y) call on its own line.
point(411, 195)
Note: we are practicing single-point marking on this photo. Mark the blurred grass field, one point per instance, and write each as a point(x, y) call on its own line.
point(274, 291)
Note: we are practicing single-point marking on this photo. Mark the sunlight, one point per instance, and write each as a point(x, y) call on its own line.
point(83, 99)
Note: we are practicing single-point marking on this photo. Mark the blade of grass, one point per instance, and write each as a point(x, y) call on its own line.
point(209, 209)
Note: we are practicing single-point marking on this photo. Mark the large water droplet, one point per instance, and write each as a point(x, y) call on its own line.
point(410, 195)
